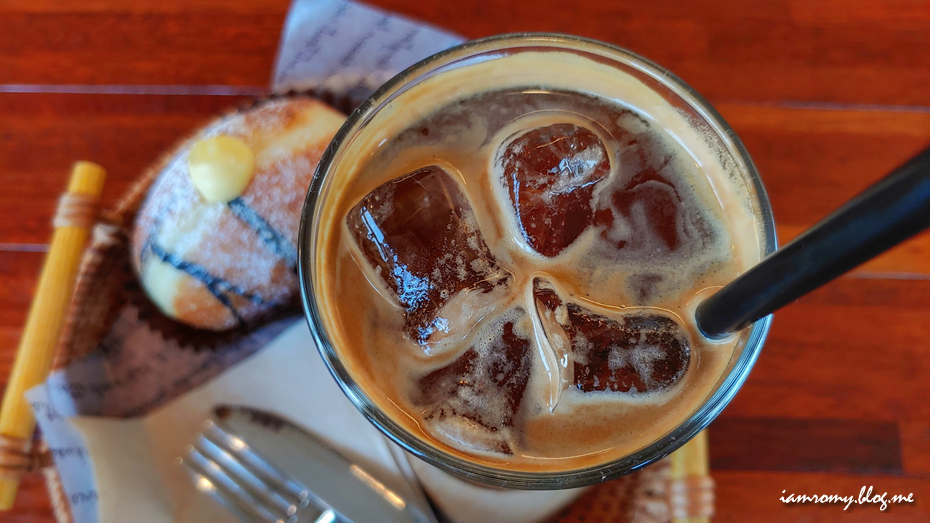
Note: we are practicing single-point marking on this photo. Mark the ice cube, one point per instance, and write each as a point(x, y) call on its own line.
point(638, 351)
point(474, 401)
point(419, 234)
point(644, 212)
point(550, 174)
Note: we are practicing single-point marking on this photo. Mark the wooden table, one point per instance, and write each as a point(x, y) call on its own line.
point(827, 95)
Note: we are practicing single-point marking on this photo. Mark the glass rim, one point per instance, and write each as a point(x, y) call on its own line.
point(489, 475)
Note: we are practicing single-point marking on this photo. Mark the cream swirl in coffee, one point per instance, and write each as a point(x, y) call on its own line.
point(510, 263)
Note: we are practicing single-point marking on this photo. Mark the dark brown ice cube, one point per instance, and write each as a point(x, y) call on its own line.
point(473, 401)
point(644, 212)
point(420, 235)
point(550, 174)
point(636, 352)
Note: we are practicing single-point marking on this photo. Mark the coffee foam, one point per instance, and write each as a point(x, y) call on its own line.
point(563, 428)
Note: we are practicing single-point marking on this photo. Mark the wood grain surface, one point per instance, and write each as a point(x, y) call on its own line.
point(828, 96)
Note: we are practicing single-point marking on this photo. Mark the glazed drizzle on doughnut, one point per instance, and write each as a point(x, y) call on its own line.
point(273, 239)
point(217, 286)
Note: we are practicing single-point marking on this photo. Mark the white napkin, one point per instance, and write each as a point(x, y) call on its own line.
point(350, 48)
point(134, 460)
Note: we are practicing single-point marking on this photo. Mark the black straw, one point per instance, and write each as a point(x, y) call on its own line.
point(884, 215)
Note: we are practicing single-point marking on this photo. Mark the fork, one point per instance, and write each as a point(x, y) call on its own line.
point(223, 466)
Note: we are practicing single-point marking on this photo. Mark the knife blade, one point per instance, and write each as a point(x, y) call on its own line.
point(334, 482)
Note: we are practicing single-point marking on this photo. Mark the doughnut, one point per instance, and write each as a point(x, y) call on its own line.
point(215, 242)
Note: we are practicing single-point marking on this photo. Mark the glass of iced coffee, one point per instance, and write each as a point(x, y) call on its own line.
point(502, 251)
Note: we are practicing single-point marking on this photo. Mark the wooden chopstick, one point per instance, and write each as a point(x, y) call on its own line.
point(73, 222)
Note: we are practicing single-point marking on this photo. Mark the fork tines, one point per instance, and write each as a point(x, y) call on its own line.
point(223, 466)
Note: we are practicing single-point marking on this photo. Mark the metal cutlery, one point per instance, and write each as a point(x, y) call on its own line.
point(265, 469)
